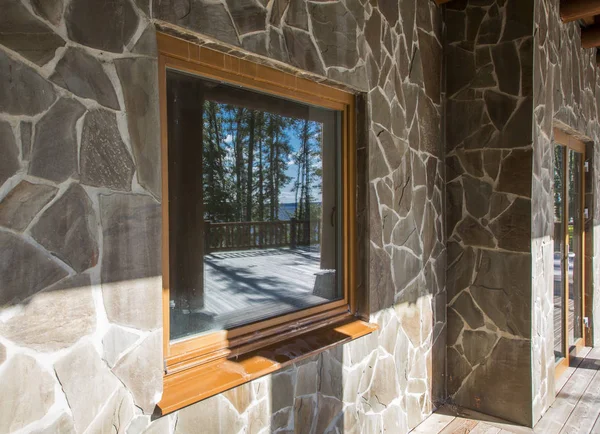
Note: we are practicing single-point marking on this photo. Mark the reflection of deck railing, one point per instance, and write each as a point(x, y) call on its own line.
point(229, 236)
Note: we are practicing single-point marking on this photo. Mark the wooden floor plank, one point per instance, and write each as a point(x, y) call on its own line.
point(433, 424)
point(459, 426)
point(557, 415)
point(485, 428)
point(571, 369)
point(587, 410)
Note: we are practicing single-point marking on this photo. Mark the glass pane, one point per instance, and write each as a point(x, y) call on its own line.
point(253, 200)
point(575, 246)
point(559, 248)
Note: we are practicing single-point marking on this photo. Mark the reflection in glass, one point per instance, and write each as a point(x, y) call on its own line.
point(253, 194)
point(575, 251)
point(559, 249)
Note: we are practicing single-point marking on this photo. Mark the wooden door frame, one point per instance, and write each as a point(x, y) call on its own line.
point(567, 141)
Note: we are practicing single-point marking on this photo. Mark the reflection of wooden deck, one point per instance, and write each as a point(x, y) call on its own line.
point(245, 286)
point(558, 312)
point(575, 410)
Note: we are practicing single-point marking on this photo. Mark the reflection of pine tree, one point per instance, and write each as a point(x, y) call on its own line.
point(307, 159)
point(245, 155)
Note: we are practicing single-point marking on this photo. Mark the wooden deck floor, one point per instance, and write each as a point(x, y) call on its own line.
point(575, 411)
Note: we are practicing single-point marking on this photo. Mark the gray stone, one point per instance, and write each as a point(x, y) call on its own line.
point(257, 43)
point(248, 15)
point(62, 425)
point(328, 409)
point(68, 229)
point(209, 17)
point(277, 10)
point(465, 306)
point(18, 282)
point(22, 32)
point(380, 107)
point(9, 163)
point(302, 51)
point(512, 228)
point(464, 119)
point(499, 107)
point(146, 44)
point(373, 35)
point(429, 127)
point(22, 204)
point(460, 69)
point(104, 159)
point(139, 81)
point(98, 26)
point(83, 75)
point(115, 342)
point(49, 9)
point(501, 290)
point(477, 196)
point(277, 47)
point(515, 176)
point(405, 267)
point(70, 305)
point(507, 372)
point(431, 61)
point(335, 32)
point(304, 414)
point(28, 393)
point(87, 382)
point(477, 345)
point(458, 369)
point(507, 67)
point(296, 15)
point(282, 388)
point(26, 131)
point(141, 370)
point(24, 91)
point(131, 260)
point(54, 153)
point(473, 233)
point(389, 9)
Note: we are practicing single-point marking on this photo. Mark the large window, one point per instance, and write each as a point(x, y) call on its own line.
point(259, 194)
point(255, 227)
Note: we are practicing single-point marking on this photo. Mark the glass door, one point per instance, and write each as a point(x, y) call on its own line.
point(568, 248)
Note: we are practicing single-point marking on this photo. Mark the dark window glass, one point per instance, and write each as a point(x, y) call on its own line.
point(559, 252)
point(254, 194)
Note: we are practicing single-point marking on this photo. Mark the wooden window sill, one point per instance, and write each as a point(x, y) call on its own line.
point(195, 384)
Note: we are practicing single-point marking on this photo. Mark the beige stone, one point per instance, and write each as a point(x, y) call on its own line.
point(115, 342)
point(115, 417)
point(159, 426)
point(27, 393)
point(87, 383)
point(70, 306)
point(259, 417)
point(62, 425)
point(2, 353)
point(141, 371)
point(384, 385)
point(240, 397)
point(213, 415)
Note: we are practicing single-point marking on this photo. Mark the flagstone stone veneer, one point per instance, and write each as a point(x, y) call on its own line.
point(80, 315)
point(80, 192)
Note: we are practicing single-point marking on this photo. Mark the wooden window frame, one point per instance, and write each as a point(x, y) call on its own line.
point(202, 366)
point(567, 141)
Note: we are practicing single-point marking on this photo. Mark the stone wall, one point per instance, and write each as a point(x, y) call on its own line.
point(489, 160)
point(80, 316)
point(567, 95)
